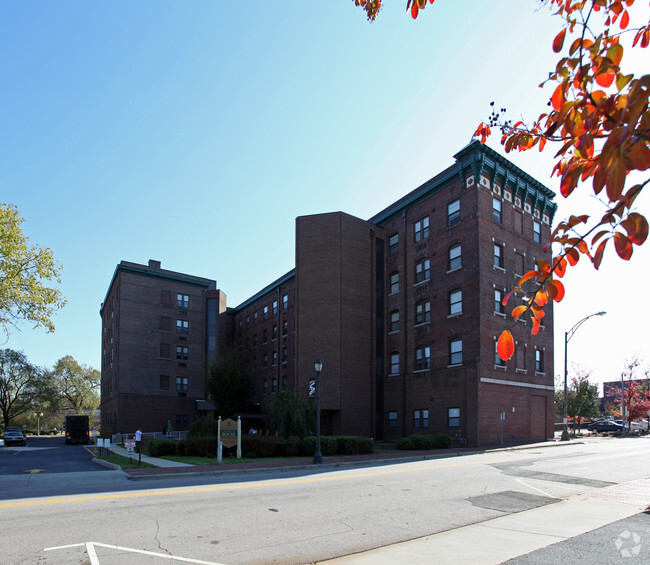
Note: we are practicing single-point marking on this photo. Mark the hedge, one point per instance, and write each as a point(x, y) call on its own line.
point(425, 441)
point(160, 447)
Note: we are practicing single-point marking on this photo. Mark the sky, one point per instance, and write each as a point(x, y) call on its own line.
point(194, 133)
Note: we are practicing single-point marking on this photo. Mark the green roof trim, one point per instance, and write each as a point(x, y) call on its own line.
point(265, 291)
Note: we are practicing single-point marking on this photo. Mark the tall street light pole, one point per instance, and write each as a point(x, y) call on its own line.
point(318, 366)
point(567, 336)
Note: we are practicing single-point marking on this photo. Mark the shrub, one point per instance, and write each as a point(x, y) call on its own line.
point(196, 447)
point(424, 441)
point(354, 445)
point(205, 427)
point(160, 447)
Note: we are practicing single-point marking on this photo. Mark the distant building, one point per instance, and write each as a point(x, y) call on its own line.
point(404, 309)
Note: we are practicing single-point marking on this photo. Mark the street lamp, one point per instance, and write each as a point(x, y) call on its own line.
point(318, 367)
point(38, 415)
point(567, 336)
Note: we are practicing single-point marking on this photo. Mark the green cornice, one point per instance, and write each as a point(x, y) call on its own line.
point(265, 291)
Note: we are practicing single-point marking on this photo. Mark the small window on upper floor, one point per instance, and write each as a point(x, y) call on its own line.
point(182, 326)
point(421, 229)
point(393, 324)
point(454, 257)
point(539, 361)
point(394, 363)
point(537, 231)
point(393, 244)
point(453, 212)
point(496, 210)
point(285, 301)
point(183, 300)
point(455, 302)
point(498, 256)
point(394, 283)
point(499, 308)
point(266, 312)
point(422, 358)
point(456, 352)
point(275, 307)
point(423, 312)
point(422, 270)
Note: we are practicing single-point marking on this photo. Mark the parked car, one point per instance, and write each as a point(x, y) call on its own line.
point(14, 436)
point(640, 426)
point(605, 426)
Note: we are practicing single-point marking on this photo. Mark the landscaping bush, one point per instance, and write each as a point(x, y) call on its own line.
point(205, 427)
point(424, 441)
point(160, 447)
point(270, 446)
point(354, 445)
point(197, 447)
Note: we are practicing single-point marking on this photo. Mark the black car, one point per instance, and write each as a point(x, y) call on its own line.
point(605, 426)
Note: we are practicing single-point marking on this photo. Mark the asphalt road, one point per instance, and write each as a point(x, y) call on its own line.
point(302, 517)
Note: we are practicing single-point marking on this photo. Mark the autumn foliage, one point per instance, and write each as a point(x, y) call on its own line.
point(598, 118)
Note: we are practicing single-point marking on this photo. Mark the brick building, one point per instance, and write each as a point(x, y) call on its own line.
point(405, 308)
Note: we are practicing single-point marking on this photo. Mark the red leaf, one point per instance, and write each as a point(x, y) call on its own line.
point(505, 345)
point(541, 297)
point(623, 246)
point(535, 326)
point(560, 266)
point(555, 289)
point(558, 42)
point(625, 20)
point(572, 256)
point(518, 311)
point(598, 256)
point(529, 275)
point(636, 227)
point(605, 79)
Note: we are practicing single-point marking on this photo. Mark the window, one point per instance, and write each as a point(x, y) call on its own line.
point(265, 387)
point(165, 324)
point(394, 283)
point(285, 301)
point(537, 232)
point(496, 210)
point(392, 419)
point(454, 257)
point(421, 229)
point(274, 332)
point(499, 308)
point(248, 321)
point(274, 385)
point(498, 255)
point(255, 319)
point(519, 264)
point(274, 360)
point(165, 350)
point(164, 382)
point(453, 417)
point(456, 352)
point(394, 363)
point(265, 361)
point(285, 354)
point(394, 321)
point(266, 312)
point(422, 358)
point(539, 361)
point(520, 354)
point(285, 327)
point(255, 340)
point(497, 360)
point(393, 244)
point(455, 302)
point(182, 422)
point(422, 270)
point(181, 384)
point(182, 326)
point(423, 312)
point(275, 307)
point(265, 336)
point(420, 418)
point(182, 352)
point(182, 300)
point(453, 212)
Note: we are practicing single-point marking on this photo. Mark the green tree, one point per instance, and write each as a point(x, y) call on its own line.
point(229, 384)
point(291, 417)
point(77, 386)
point(18, 384)
point(582, 399)
point(24, 273)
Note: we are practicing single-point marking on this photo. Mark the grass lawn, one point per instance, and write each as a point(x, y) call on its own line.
point(191, 460)
point(125, 462)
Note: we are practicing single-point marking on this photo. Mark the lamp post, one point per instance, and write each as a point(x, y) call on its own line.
point(318, 366)
point(567, 336)
point(38, 424)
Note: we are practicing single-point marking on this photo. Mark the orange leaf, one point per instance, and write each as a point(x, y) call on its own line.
point(560, 266)
point(636, 227)
point(535, 326)
point(541, 297)
point(505, 345)
point(544, 266)
point(572, 256)
point(507, 297)
point(598, 256)
point(625, 20)
point(605, 79)
point(529, 275)
point(558, 42)
point(555, 289)
point(623, 246)
point(518, 311)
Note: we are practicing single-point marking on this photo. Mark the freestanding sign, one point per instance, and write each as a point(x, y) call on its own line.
point(229, 434)
point(130, 446)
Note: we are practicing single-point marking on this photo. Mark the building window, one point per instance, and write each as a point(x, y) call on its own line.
point(455, 302)
point(265, 387)
point(255, 319)
point(394, 363)
point(497, 360)
point(165, 350)
point(498, 255)
point(423, 312)
point(499, 308)
point(392, 419)
point(285, 327)
point(537, 232)
point(456, 352)
point(265, 336)
point(266, 312)
point(519, 264)
point(420, 418)
point(285, 301)
point(182, 422)
point(284, 382)
point(275, 307)
point(422, 358)
point(181, 384)
point(422, 270)
point(539, 361)
point(520, 354)
point(248, 321)
point(255, 340)
point(453, 212)
point(394, 321)
point(164, 382)
point(496, 210)
point(182, 352)
point(453, 417)
point(454, 257)
point(182, 326)
point(274, 360)
point(421, 229)
point(274, 385)
point(265, 361)
point(182, 300)
point(285, 354)
point(394, 283)
point(393, 244)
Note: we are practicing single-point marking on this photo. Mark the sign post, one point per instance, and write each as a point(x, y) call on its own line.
point(130, 447)
point(229, 434)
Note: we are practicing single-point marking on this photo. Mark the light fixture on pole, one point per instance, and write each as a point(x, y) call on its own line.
point(318, 367)
point(38, 415)
point(567, 336)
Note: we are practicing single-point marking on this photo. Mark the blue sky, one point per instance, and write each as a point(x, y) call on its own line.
point(195, 133)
